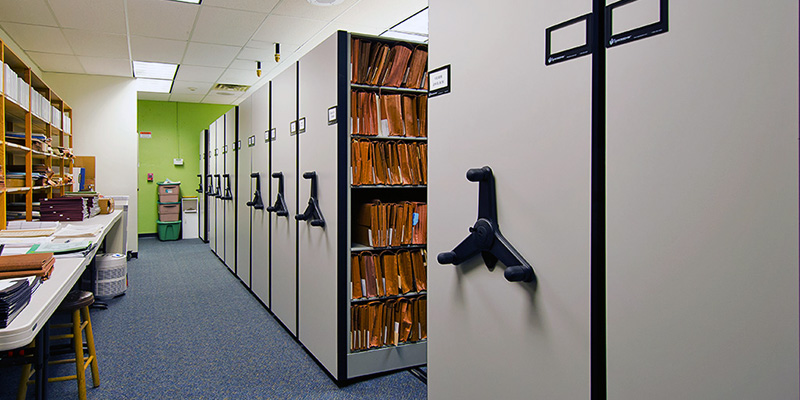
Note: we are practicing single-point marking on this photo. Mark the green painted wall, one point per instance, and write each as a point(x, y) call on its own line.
point(176, 131)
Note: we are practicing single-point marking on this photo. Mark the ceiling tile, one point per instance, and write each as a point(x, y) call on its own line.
point(159, 50)
point(161, 19)
point(282, 29)
point(199, 74)
point(33, 12)
point(106, 66)
point(92, 15)
point(216, 98)
point(264, 6)
point(216, 25)
point(264, 55)
point(381, 13)
point(186, 98)
point(185, 87)
point(87, 43)
point(304, 9)
point(153, 96)
point(210, 55)
point(245, 65)
point(43, 39)
point(239, 77)
point(57, 62)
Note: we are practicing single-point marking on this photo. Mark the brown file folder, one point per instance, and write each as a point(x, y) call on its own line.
point(417, 68)
point(419, 268)
point(410, 116)
point(420, 223)
point(391, 273)
point(404, 316)
point(422, 114)
point(371, 274)
point(394, 114)
point(22, 265)
point(376, 324)
point(423, 317)
point(400, 58)
point(406, 272)
point(355, 273)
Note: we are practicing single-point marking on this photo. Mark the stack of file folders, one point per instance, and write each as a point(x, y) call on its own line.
point(379, 63)
point(376, 114)
point(389, 163)
point(22, 265)
point(92, 201)
point(388, 273)
point(388, 323)
point(64, 209)
point(15, 294)
point(391, 224)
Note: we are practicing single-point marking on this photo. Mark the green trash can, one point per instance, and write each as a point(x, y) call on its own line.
point(169, 230)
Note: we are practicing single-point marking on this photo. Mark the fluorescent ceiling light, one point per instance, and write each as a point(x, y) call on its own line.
point(142, 69)
point(405, 36)
point(189, 1)
point(325, 2)
point(153, 85)
point(417, 23)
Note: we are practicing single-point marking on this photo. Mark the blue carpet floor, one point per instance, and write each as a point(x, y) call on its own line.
point(188, 329)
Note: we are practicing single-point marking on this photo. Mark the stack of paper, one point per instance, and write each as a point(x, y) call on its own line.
point(14, 296)
point(74, 231)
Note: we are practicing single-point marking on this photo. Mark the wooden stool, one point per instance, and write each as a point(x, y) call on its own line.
point(76, 303)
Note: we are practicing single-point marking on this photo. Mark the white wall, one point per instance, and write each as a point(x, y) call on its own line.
point(104, 124)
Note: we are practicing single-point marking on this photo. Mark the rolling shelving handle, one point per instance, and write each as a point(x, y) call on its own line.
point(209, 185)
point(228, 194)
point(219, 186)
point(256, 203)
point(200, 184)
point(312, 214)
point(485, 236)
point(280, 207)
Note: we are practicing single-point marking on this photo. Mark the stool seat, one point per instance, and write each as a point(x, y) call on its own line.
point(76, 300)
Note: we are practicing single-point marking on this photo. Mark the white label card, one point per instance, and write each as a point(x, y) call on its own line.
point(439, 81)
point(332, 115)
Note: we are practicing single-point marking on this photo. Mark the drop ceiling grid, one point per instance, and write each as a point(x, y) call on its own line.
point(35, 12)
point(93, 15)
point(218, 41)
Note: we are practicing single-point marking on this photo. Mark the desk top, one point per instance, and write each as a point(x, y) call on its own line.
point(48, 296)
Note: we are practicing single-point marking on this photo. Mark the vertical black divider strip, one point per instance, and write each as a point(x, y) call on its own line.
point(267, 214)
point(297, 203)
point(205, 186)
point(343, 187)
point(236, 199)
point(598, 208)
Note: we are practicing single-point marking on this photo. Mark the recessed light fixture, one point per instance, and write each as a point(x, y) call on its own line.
point(189, 1)
point(325, 2)
point(153, 85)
point(154, 70)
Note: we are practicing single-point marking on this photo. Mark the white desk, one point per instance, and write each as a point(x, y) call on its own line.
point(51, 293)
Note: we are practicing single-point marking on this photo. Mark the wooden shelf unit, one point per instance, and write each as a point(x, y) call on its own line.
point(34, 108)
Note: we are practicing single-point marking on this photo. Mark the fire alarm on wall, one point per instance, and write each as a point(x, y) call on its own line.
point(149, 176)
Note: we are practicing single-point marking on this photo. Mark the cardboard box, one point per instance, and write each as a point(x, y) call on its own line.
point(106, 205)
point(168, 198)
point(171, 217)
point(169, 208)
point(168, 189)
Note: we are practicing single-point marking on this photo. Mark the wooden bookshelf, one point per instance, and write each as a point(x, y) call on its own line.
point(42, 122)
